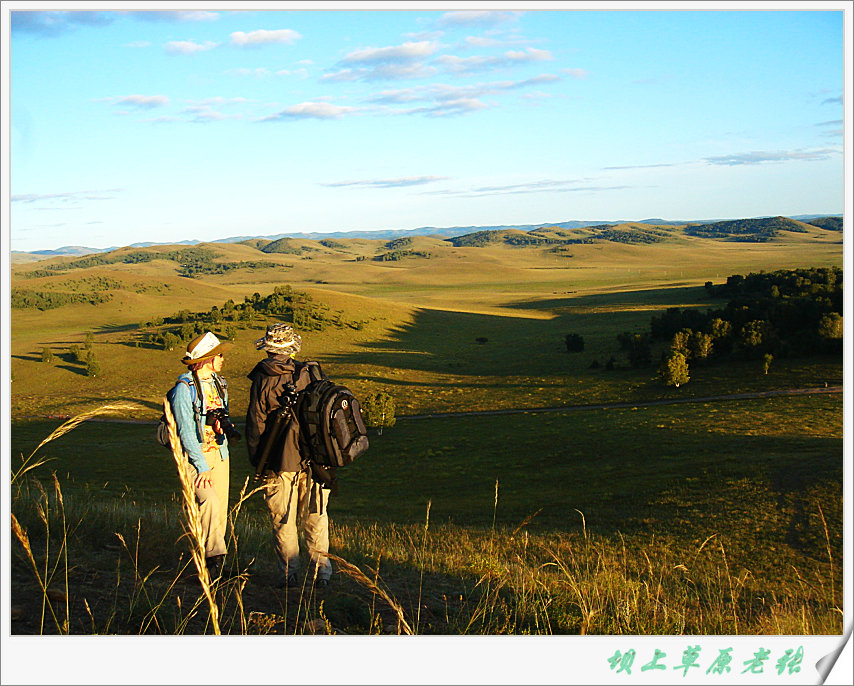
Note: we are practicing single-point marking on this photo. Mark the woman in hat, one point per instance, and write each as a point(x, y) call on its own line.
point(198, 393)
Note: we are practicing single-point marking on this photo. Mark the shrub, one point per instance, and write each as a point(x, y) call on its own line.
point(378, 411)
point(574, 343)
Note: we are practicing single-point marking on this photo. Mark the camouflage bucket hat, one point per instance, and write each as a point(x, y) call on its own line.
point(280, 339)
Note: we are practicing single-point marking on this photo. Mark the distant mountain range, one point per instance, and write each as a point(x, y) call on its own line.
point(388, 234)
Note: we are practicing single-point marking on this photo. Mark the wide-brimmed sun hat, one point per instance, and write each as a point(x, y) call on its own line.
point(205, 347)
point(280, 339)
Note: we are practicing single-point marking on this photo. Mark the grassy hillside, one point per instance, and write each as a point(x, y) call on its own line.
point(532, 522)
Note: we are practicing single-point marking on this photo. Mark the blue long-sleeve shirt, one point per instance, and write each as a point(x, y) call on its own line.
point(191, 431)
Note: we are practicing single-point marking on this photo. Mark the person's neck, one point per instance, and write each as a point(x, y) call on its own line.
point(204, 374)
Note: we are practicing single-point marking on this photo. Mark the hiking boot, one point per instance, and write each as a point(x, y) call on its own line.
point(214, 565)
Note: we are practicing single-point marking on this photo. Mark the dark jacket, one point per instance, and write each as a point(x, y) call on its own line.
point(268, 384)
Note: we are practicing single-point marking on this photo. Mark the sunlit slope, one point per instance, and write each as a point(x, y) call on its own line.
point(441, 326)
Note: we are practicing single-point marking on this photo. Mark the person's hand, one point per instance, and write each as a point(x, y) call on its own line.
point(204, 480)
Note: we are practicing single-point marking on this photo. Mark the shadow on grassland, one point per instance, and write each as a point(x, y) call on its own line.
point(651, 300)
point(621, 468)
point(466, 343)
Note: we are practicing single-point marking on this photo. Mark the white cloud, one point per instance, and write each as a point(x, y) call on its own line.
point(264, 37)
point(141, 101)
point(382, 72)
point(761, 157)
point(173, 15)
point(445, 92)
point(138, 44)
point(482, 63)
point(407, 52)
point(71, 197)
point(449, 108)
point(312, 110)
point(575, 73)
point(387, 183)
point(186, 47)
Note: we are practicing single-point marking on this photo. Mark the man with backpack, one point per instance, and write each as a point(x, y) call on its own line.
point(199, 402)
point(277, 451)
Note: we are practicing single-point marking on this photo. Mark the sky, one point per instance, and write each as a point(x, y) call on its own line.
point(165, 125)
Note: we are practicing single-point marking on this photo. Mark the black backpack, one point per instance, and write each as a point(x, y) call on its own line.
point(332, 430)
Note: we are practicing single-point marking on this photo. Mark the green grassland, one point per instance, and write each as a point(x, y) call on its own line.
point(480, 328)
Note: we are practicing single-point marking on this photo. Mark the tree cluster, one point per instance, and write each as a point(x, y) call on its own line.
point(48, 300)
point(284, 304)
point(191, 261)
point(784, 313)
point(396, 255)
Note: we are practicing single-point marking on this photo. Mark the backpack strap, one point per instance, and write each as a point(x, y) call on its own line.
point(221, 388)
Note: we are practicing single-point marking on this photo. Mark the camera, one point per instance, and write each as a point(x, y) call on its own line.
point(225, 425)
point(289, 396)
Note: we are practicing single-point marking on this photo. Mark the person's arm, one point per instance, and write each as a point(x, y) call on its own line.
point(256, 418)
point(185, 423)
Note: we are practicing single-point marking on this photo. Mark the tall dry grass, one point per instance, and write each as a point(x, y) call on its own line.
point(409, 579)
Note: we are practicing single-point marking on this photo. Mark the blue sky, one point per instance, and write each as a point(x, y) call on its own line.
point(161, 126)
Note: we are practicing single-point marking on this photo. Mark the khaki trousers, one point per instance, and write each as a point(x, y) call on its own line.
point(291, 496)
point(213, 503)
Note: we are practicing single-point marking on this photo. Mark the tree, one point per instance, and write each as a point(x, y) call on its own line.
point(719, 328)
point(680, 343)
point(766, 362)
point(89, 340)
point(170, 340)
point(574, 343)
point(47, 355)
point(639, 352)
point(700, 345)
point(674, 370)
point(92, 366)
point(754, 335)
point(830, 325)
point(378, 411)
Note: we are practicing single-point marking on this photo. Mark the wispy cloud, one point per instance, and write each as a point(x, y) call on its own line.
point(52, 23)
point(575, 73)
point(179, 16)
point(510, 58)
point(541, 186)
point(394, 53)
point(450, 108)
point(204, 113)
point(140, 101)
point(264, 37)
point(449, 100)
point(832, 101)
point(187, 47)
point(835, 132)
point(55, 23)
point(762, 157)
point(640, 166)
point(401, 182)
point(138, 44)
point(390, 62)
point(477, 18)
point(312, 110)
point(72, 197)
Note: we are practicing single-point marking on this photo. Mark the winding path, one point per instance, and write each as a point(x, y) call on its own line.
point(617, 405)
point(537, 410)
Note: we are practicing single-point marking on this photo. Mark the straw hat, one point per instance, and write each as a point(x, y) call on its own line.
point(205, 347)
